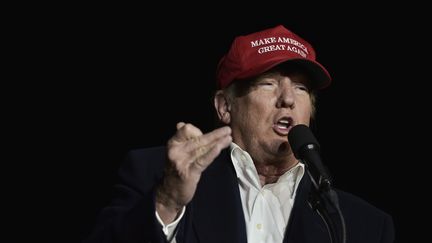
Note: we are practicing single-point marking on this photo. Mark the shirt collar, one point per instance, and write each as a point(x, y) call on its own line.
point(245, 167)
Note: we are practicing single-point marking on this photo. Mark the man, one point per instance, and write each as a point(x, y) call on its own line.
point(240, 182)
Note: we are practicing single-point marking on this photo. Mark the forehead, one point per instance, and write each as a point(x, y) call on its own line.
point(296, 72)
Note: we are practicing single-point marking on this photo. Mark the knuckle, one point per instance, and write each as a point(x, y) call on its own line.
point(171, 154)
point(188, 127)
point(199, 162)
point(200, 151)
point(196, 141)
point(174, 154)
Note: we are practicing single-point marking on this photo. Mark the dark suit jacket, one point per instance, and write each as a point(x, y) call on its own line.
point(215, 214)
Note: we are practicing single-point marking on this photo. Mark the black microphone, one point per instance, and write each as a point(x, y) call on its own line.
point(306, 149)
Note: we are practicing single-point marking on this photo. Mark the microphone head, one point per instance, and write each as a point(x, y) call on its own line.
point(299, 137)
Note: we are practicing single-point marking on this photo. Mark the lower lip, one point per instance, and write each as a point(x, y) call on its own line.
point(281, 131)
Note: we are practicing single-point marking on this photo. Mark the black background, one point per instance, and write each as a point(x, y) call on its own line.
point(89, 83)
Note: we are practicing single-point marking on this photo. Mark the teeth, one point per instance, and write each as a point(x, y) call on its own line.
point(284, 123)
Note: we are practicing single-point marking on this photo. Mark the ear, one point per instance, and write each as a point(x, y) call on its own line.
point(222, 106)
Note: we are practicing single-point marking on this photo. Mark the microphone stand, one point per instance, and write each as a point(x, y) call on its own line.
point(325, 201)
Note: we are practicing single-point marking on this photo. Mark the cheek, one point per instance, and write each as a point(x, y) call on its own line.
point(252, 111)
point(304, 113)
point(262, 109)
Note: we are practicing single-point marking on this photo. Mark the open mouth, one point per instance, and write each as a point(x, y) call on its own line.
point(283, 125)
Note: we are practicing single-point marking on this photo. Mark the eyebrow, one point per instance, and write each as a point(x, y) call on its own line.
point(301, 78)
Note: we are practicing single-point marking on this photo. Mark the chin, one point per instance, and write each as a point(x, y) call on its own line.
point(281, 146)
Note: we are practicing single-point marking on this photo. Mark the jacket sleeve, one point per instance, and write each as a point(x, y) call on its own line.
point(130, 216)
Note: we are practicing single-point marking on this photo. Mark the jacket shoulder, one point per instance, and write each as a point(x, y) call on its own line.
point(357, 204)
point(364, 220)
point(142, 168)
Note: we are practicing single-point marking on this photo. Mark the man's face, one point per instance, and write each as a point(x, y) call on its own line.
point(265, 110)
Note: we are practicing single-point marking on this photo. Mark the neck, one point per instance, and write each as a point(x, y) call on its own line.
point(270, 173)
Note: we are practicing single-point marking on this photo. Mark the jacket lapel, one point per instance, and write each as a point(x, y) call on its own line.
point(216, 209)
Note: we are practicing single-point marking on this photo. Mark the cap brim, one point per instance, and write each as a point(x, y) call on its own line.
point(320, 77)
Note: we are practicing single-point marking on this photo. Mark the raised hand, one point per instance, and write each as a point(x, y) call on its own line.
point(189, 152)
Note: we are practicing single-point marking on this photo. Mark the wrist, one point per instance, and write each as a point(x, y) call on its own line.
point(166, 206)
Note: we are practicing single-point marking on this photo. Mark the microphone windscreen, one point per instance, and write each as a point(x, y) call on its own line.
point(300, 136)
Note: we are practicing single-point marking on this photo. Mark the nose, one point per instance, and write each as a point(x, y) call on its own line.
point(287, 97)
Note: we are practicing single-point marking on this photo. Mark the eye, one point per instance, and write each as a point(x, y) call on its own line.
point(302, 87)
point(267, 83)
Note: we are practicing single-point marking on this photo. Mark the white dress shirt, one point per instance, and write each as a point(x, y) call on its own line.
point(266, 208)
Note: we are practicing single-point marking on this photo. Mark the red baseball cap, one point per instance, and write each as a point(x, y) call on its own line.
point(253, 54)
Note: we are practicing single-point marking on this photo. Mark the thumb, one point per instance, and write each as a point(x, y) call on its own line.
point(180, 125)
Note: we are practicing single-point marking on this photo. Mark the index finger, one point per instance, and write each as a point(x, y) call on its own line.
point(208, 140)
point(186, 131)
